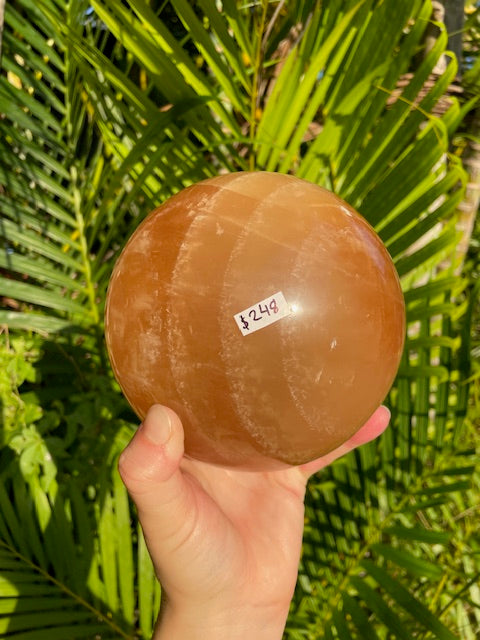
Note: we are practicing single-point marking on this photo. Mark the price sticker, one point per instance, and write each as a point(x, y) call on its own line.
point(262, 314)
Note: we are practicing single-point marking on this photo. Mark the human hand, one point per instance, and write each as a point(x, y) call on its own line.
point(225, 543)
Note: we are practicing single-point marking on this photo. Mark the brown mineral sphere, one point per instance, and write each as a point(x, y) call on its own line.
point(264, 310)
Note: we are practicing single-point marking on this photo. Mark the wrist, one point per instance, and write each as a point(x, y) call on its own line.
point(234, 623)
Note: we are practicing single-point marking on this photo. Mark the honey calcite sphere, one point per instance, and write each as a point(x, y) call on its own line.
point(264, 310)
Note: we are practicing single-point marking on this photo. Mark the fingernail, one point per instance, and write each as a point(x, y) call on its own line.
point(157, 426)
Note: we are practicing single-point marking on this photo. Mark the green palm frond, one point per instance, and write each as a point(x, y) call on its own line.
point(59, 214)
point(108, 109)
point(67, 567)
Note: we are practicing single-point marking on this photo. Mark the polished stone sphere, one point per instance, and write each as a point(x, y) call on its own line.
point(264, 310)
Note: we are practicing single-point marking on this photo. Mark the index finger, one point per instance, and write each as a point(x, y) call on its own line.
point(374, 427)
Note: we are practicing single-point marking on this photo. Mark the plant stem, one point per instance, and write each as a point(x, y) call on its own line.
point(73, 115)
point(259, 29)
point(77, 204)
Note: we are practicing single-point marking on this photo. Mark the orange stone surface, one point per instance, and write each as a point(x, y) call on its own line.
point(264, 310)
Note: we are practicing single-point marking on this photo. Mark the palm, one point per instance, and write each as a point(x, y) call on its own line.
point(250, 524)
point(204, 523)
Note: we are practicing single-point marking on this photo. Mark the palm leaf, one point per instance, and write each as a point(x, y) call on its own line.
point(67, 568)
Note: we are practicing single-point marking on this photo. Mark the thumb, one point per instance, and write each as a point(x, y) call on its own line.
point(150, 470)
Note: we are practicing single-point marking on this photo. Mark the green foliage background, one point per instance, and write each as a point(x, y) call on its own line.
point(110, 107)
